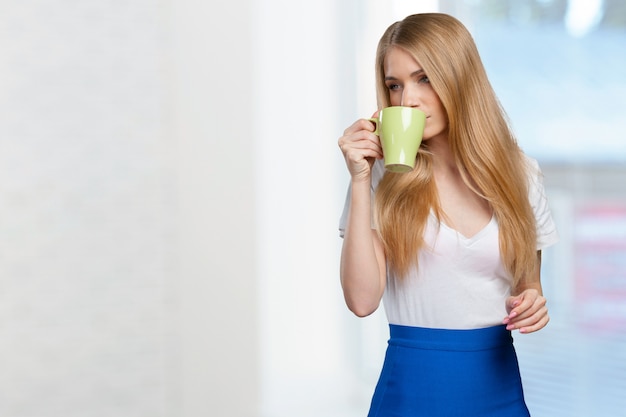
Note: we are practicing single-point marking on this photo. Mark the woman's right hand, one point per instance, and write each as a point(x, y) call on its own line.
point(360, 147)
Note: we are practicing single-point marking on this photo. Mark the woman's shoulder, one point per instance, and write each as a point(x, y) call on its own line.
point(531, 164)
point(532, 168)
point(534, 177)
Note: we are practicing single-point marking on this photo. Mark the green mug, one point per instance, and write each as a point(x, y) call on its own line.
point(400, 130)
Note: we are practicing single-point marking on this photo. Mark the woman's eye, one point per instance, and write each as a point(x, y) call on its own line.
point(393, 87)
point(424, 80)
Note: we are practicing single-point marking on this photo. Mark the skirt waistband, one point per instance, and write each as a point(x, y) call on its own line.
point(446, 339)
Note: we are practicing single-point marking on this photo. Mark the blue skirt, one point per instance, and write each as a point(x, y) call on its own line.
point(438, 372)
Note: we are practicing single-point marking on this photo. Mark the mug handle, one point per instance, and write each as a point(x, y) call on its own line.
point(376, 123)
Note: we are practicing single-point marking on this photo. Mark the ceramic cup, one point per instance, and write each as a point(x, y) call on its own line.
point(400, 130)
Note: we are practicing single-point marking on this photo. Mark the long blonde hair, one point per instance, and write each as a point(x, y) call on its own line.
point(485, 150)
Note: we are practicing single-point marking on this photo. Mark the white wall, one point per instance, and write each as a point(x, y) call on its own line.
point(296, 53)
point(213, 96)
point(87, 210)
point(127, 228)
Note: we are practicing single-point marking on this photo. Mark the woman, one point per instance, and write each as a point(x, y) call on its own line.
point(453, 248)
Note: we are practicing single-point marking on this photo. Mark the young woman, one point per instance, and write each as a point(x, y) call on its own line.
point(453, 248)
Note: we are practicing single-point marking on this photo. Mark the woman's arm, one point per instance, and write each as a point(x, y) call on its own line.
point(527, 307)
point(363, 265)
point(363, 268)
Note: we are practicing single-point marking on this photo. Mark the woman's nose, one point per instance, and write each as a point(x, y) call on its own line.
point(410, 97)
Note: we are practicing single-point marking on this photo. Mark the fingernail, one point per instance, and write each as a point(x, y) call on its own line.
point(522, 330)
point(513, 314)
point(510, 327)
point(505, 321)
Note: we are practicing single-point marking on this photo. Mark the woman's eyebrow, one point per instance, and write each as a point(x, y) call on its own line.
point(413, 74)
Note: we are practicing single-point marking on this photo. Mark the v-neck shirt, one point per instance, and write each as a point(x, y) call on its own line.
point(460, 282)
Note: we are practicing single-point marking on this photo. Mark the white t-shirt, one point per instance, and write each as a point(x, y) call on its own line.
point(461, 283)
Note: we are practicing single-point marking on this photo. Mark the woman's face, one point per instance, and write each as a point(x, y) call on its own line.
point(409, 86)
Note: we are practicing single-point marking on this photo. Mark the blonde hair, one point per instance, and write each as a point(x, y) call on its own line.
point(484, 148)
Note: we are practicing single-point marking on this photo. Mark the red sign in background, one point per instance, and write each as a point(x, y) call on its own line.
point(600, 266)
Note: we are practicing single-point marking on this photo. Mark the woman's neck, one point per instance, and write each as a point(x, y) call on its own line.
point(442, 156)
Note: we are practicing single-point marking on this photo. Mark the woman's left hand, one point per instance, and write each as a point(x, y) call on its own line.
point(527, 312)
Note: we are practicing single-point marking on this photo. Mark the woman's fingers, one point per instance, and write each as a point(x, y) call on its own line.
point(528, 312)
point(361, 124)
point(360, 146)
point(532, 323)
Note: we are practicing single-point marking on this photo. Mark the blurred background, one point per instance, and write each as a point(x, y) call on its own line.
point(170, 190)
